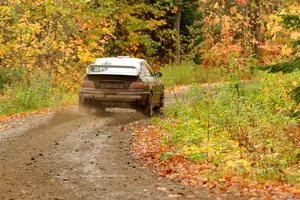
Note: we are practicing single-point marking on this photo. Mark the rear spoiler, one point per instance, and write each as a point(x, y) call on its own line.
point(113, 70)
point(111, 74)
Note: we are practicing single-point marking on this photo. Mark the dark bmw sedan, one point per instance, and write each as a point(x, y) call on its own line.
point(121, 82)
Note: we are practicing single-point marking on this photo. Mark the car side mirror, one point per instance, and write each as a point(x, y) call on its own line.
point(158, 74)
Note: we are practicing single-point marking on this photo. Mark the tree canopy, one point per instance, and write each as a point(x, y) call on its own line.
point(62, 37)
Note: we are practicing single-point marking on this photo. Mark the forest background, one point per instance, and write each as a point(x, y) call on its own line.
point(45, 45)
point(239, 133)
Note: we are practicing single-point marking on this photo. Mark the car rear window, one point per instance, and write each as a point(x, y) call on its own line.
point(113, 70)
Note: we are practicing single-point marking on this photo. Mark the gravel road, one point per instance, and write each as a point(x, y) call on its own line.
point(65, 155)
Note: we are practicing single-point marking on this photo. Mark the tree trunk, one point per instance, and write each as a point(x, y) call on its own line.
point(227, 6)
point(257, 28)
point(177, 25)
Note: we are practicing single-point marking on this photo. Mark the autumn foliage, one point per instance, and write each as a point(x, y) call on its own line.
point(62, 37)
point(236, 138)
point(242, 135)
point(53, 42)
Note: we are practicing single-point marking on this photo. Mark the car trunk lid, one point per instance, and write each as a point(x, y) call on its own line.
point(110, 81)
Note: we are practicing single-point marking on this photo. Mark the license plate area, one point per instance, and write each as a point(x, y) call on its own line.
point(112, 85)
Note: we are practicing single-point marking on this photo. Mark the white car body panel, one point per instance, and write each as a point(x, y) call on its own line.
point(116, 66)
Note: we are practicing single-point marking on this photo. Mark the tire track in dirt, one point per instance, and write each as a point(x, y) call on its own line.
point(70, 156)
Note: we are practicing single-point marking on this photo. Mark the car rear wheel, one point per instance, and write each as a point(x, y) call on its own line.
point(84, 108)
point(149, 107)
point(100, 109)
point(162, 103)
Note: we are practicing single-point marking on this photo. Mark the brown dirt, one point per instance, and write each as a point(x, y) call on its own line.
point(64, 155)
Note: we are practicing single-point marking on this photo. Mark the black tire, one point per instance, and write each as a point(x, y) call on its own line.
point(149, 107)
point(162, 104)
point(84, 108)
point(100, 109)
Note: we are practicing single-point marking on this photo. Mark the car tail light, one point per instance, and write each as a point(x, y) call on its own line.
point(137, 85)
point(88, 84)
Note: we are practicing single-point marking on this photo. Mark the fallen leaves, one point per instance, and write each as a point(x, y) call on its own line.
point(148, 148)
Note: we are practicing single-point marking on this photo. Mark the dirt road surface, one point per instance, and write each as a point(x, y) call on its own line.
point(65, 155)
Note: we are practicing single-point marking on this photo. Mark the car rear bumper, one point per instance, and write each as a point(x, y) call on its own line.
point(113, 95)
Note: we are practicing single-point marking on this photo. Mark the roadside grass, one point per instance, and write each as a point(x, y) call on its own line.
point(29, 95)
point(184, 74)
point(189, 73)
point(241, 129)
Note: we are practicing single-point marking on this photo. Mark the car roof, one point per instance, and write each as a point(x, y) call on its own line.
point(120, 61)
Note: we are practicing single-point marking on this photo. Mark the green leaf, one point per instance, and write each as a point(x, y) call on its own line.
point(166, 155)
point(198, 157)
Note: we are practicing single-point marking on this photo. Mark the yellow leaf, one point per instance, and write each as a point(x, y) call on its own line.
point(286, 50)
point(86, 57)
